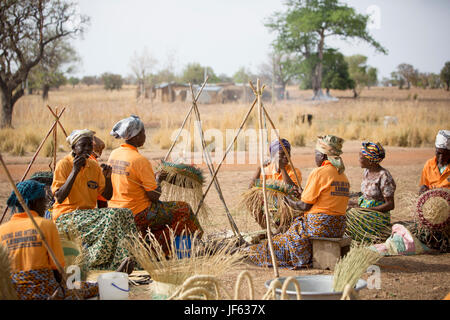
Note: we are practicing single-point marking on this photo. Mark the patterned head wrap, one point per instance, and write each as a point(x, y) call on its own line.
point(76, 135)
point(374, 152)
point(127, 128)
point(443, 139)
point(332, 147)
point(275, 146)
point(30, 190)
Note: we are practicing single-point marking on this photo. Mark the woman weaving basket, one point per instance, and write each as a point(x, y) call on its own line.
point(76, 185)
point(136, 187)
point(377, 188)
point(436, 171)
point(277, 169)
point(324, 201)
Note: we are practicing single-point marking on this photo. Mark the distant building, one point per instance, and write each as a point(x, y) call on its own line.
point(171, 92)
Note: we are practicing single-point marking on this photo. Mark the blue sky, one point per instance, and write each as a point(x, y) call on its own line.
point(229, 34)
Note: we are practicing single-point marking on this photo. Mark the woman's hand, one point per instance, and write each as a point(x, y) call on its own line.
point(106, 170)
point(79, 162)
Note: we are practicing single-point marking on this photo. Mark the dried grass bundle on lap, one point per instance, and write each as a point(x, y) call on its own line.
point(252, 201)
point(183, 183)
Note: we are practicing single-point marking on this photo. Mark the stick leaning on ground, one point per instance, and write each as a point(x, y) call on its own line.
point(41, 234)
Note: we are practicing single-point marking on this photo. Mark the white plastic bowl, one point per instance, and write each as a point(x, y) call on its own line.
point(314, 287)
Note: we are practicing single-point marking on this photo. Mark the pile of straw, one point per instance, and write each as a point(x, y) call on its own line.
point(203, 259)
point(363, 229)
point(7, 291)
point(183, 183)
point(252, 201)
point(348, 270)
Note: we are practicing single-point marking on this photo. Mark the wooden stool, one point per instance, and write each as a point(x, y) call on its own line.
point(327, 251)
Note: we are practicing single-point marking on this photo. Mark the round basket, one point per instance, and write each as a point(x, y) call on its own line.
point(182, 175)
point(433, 209)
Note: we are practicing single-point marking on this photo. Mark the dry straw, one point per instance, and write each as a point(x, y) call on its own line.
point(204, 259)
point(252, 201)
point(348, 270)
point(7, 291)
point(184, 183)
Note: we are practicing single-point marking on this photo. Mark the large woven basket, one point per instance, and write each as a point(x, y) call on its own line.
point(433, 209)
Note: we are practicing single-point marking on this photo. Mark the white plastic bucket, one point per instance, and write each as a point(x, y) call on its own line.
point(113, 286)
point(314, 287)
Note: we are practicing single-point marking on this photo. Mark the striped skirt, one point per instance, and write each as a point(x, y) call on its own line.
point(293, 249)
point(162, 216)
point(102, 232)
point(41, 284)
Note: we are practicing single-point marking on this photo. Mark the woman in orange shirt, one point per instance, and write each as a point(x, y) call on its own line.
point(77, 183)
point(436, 172)
point(34, 274)
point(324, 201)
point(138, 188)
point(278, 168)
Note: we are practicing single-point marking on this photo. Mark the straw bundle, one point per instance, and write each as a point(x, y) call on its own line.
point(7, 291)
point(348, 270)
point(363, 225)
point(171, 269)
point(183, 183)
point(252, 201)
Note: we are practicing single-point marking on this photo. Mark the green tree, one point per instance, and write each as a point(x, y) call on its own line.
point(112, 81)
point(89, 80)
point(372, 77)
point(243, 75)
point(28, 27)
point(358, 72)
point(195, 73)
point(445, 74)
point(306, 24)
point(335, 74)
point(74, 81)
point(408, 74)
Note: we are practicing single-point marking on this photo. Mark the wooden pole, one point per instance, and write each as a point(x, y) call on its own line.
point(261, 160)
point(225, 155)
point(210, 166)
point(34, 157)
point(41, 234)
point(194, 100)
point(59, 123)
point(55, 142)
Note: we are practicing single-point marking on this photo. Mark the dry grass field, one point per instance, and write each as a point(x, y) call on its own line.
point(409, 143)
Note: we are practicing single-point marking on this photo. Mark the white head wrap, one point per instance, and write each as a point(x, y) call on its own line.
point(127, 128)
point(78, 134)
point(443, 139)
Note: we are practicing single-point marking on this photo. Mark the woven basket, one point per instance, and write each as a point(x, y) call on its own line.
point(252, 201)
point(433, 209)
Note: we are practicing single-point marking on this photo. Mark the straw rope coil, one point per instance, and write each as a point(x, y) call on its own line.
point(252, 201)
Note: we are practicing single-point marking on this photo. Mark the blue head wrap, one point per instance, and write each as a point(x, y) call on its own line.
point(275, 146)
point(30, 190)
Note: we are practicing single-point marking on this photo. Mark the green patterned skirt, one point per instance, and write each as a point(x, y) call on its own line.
point(102, 232)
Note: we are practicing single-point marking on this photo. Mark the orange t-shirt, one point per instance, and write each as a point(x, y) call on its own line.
point(89, 183)
point(99, 197)
point(327, 190)
point(132, 176)
point(432, 178)
point(272, 174)
point(25, 245)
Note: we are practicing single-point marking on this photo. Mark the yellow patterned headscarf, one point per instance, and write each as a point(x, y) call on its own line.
point(332, 147)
